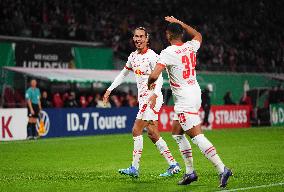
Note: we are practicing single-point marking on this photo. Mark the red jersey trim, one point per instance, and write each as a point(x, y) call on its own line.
point(192, 113)
point(143, 51)
point(174, 84)
point(128, 68)
point(178, 44)
point(156, 112)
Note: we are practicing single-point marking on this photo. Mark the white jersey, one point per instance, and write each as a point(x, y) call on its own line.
point(142, 64)
point(180, 62)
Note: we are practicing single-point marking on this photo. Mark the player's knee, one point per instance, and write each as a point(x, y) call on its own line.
point(194, 131)
point(151, 136)
point(31, 120)
point(154, 136)
point(177, 129)
point(135, 132)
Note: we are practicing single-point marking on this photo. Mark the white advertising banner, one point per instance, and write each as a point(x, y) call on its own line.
point(13, 123)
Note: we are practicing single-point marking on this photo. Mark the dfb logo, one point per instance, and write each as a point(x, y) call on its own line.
point(5, 126)
point(43, 124)
point(164, 119)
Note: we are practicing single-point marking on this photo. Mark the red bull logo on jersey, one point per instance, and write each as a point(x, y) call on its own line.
point(139, 72)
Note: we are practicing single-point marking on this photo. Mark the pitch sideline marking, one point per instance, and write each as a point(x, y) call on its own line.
point(253, 187)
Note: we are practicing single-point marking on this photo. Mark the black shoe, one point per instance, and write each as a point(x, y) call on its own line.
point(188, 178)
point(224, 177)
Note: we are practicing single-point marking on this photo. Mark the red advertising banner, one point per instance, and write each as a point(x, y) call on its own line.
point(166, 116)
point(230, 116)
point(225, 116)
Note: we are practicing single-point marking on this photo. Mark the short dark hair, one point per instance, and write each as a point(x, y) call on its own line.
point(175, 29)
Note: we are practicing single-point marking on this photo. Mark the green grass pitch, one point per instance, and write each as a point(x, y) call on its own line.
point(256, 156)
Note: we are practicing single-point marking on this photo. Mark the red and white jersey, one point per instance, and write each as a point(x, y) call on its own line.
point(180, 62)
point(142, 64)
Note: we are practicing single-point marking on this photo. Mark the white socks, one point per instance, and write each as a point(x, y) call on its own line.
point(200, 140)
point(137, 151)
point(164, 150)
point(209, 151)
point(186, 152)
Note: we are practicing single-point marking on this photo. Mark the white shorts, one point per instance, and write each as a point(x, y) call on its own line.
point(148, 114)
point(187, 120)
point(188, 100)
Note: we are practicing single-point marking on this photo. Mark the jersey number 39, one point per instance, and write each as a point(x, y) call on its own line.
point(189, 65)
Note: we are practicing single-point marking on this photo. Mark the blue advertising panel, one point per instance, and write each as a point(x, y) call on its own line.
point(87, 121)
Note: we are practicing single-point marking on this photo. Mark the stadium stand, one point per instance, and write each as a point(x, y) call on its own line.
point(242, 36)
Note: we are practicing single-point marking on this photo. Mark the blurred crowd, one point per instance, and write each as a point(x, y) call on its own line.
point(70, 100)
point(15, 98)
point(238, 35)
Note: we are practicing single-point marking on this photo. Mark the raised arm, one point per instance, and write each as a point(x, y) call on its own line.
point(192, 32)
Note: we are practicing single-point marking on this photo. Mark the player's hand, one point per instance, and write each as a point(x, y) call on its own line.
point(151, 86)
point(106, 97)
point(152, 101)
point(32, 112)
point(172, 19)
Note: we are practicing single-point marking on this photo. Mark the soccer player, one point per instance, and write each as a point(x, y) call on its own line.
point(179, 59)
point(142, 62)
point(34, 107)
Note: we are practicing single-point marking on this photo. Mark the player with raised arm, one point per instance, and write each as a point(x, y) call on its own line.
point(179, 59)
point(142, 62)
